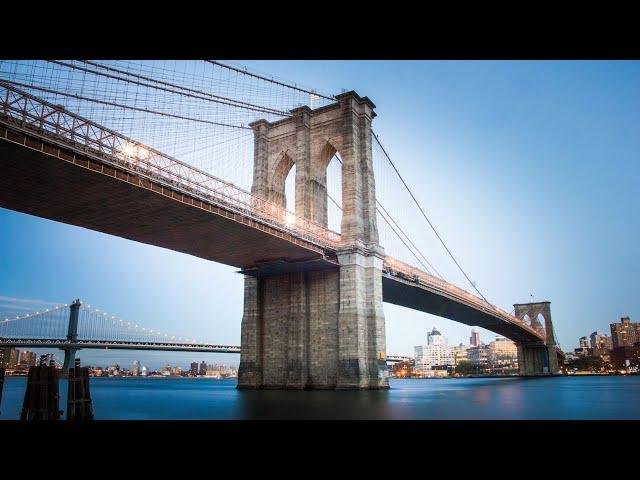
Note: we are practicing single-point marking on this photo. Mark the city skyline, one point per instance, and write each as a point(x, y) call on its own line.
point(476, 128)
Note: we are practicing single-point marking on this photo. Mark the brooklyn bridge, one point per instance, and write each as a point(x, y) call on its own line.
point(85, 143)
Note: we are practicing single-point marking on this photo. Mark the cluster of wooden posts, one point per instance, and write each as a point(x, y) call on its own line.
point(42, 398)
point(1, 384)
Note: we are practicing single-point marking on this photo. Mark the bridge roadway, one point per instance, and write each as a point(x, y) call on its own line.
point(122, 345)
point(62, 167)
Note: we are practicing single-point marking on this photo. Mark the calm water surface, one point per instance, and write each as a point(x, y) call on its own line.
point(487, 398)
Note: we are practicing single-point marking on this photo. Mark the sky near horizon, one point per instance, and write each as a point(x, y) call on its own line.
point(529, 169)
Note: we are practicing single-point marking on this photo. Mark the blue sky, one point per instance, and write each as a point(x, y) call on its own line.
point(530, 171)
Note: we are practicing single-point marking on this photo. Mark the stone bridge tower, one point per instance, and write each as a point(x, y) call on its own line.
point(325, 328)
point(537, 358)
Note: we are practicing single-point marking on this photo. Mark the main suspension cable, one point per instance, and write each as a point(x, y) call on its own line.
point(227, 101)
point(271, 80)
point(394, 231)
point(427, 218)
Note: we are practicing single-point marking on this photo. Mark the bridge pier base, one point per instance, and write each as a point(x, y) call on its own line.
point(319, 329)
point(537, 360)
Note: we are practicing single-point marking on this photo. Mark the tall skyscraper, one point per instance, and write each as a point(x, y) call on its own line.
point(135, 371)
point(475, 338)
point(203, 368)
point(193, 371)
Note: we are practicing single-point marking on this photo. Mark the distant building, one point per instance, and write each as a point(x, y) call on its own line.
point(502, 354)
point(9, 357)
point(479, 356)
point(48, 358)
point(583, 348)
point(28, 358)
point(135, 371)
point(193, 371)
point(203, 369)
point(460, 353)
point(221, 371)
point(144, 371)
point(625, 333)
point(435, 353)
point(475, 338)
point(402, 369)
point(626, 358)
point(600, 344)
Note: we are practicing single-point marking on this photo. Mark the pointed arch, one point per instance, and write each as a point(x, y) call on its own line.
point(278, 178)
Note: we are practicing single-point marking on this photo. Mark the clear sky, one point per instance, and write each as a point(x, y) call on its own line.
point(530, 170)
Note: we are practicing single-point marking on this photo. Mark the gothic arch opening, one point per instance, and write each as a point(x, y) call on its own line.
point(331, 172)
point(290, 190)
point(537, 323)
point(334, 193)
point(281, 176)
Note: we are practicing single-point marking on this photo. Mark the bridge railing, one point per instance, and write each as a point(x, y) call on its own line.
point(395, 266)
point(59, 124)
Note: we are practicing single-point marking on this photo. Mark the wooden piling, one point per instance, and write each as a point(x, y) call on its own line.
point(41, 399)
point(1, 385)
point(79, 404)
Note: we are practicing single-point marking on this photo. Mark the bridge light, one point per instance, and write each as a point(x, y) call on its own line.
point(143, 153)
point(128, 149)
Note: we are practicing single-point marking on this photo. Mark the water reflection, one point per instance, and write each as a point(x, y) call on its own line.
point(455, 399)
point(314, 405)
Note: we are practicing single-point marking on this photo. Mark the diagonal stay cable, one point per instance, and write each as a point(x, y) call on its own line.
point(397, 234)
point(128, 107)
point(427, 219)
point(167, 89)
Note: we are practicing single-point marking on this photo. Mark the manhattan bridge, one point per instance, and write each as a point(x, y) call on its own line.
point(290, 185)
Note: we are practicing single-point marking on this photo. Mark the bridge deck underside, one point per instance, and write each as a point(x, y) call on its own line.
point(410, 295)
point(47, 186)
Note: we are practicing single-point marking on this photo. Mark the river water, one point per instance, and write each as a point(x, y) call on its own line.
point(562, 398)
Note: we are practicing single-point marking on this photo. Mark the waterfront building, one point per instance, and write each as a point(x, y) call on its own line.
point(600, 341)
point(203, 369)
point(479, 356)
point(221, 371)
point(135, 371)
point(48, 358)
point(474, 341)
point(460, 353)
point(626, 357)
point(193, 371)
point(502, 354)
point(402, 369)
point(144, 371)
point(28, 358)
point(583, 348)
point(625, 334)
point(9, 358)
point(435, 352)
